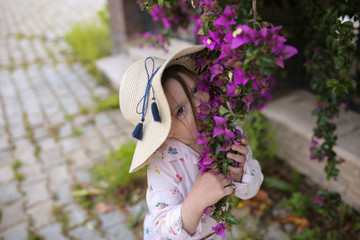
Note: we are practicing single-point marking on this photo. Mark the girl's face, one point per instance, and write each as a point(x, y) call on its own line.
point(183, 125)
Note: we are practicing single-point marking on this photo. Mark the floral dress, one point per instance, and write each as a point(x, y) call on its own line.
point(171, 172)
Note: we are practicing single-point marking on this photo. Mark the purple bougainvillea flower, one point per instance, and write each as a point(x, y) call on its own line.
point(216, 35)
point(232, 103)
point(226, 19)
point(232, 89)
point(240, 36)
point(319, 199)
point(219, 229)
point(286, 52)
point(203, 138)
point(239, 77)
point(248, 99)
point(215, 70)
point(209, 43)
point(209, 210)
point(205, 161)
point(210, 5)
point(220, 126)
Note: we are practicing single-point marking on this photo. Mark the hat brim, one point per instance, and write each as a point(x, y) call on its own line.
point(154, 133)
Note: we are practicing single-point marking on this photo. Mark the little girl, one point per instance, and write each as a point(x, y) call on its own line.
point(178, 194)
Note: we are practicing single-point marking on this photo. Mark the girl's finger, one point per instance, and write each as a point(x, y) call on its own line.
point(241, 149)
point(229, 190)
point(234, 170)
point(245, 141)
point(236, 157)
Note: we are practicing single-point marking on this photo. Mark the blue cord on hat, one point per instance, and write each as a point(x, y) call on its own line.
point(137, 133)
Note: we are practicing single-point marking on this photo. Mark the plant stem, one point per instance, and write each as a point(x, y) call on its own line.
point(254, 10)
point(245, 120)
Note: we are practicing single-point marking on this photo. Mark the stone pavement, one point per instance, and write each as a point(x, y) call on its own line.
point(42, 98)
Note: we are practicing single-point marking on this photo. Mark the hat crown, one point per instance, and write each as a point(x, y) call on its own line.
point(133, 86)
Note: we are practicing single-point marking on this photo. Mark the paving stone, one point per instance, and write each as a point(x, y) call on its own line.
point(47, 144)
point(62, 194)
point(51, 157)
point(82, 176)
point(70, 144)
point(116, 142)
point(93, 144)
point(102, 119)
point(110, 131)
point(57, 118)
point(80, 160)
point(4, 143)
point(111, 218)
point(76, 214)
point(23, 152)
point(83, 232)
point(6, 174)
point(114, 225)
point(22, 144)
point(100, 155)
point(274, 232)
point(80, 121)
point(12, 214)
point(58, 175)
point(32, 172)
point(18, 132)
point(36, 119)
point(5, 157)
point(52, 232)
point(35, 193)
point(9, 192)
point(119, 232)
point(41, 133)
point(19, 232)
point(41, 213)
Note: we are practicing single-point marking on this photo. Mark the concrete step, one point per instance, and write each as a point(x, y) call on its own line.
point(135, 52)
point(115, 66)
point(290, 116)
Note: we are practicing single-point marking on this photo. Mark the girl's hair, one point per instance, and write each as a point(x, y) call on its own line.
point(173, 72)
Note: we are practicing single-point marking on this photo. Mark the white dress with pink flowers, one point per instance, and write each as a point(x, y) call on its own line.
point(171, 172)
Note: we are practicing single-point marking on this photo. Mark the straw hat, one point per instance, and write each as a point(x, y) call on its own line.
point(135, 95)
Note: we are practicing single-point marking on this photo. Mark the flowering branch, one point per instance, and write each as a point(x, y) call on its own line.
point(240, 61)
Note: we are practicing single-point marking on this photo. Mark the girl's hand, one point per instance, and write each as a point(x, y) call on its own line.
point(240, 158)
point(209, 188)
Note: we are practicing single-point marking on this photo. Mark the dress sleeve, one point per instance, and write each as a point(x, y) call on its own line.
point(165, 198)
point(251, 180)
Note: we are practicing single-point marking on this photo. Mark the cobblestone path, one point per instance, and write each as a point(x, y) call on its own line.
point(42, 102)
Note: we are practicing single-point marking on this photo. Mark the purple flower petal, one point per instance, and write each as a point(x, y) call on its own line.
point(226, 19)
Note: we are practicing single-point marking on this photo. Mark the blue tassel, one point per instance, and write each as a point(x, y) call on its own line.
point(155, 111)
point(137, 133)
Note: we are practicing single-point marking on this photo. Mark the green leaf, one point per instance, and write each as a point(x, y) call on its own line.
point(217, 147)
point(279, 184)
point(230, 219)
point(161, 3)
point(350, 83)
point(225, 166)
point(340, 90)
point(338, 61)
point(332, 82)
point(348, 24)
point(81, 193)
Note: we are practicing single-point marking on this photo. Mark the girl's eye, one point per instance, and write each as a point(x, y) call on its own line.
point(180, 111)
point(196, 89)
